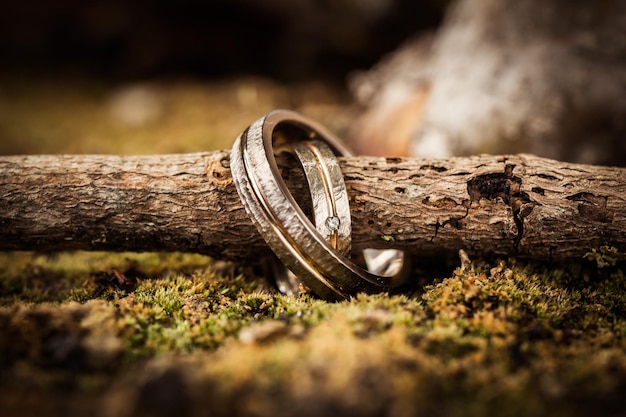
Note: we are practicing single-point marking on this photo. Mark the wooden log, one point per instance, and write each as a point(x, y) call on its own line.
point(514, 205)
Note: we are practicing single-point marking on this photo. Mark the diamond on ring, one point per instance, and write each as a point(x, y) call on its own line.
point(332, 223)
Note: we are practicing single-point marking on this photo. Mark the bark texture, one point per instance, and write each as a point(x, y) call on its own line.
point(517, 205)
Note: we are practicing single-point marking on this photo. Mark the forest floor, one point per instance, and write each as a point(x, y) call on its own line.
point(163, 334)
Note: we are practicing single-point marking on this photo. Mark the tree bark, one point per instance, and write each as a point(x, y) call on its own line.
point(516, 205)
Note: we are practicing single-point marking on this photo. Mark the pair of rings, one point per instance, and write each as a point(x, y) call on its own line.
point(318, 252)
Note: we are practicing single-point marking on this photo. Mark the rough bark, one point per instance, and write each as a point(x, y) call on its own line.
point(518, 205)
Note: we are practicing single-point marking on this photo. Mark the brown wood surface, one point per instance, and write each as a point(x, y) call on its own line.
point(516, 205)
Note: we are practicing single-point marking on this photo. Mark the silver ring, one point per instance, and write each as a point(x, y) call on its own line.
point(331, 208)
point(281, 222)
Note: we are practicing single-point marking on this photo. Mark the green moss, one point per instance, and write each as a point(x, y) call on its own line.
point(508, 335)
point(605, 256)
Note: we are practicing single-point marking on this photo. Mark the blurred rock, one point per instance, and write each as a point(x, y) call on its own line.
point(505, 77)
point(389, 99)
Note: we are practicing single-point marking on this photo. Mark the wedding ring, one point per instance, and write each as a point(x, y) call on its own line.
point(331, 209)
point(331, 215)
point(279, 219)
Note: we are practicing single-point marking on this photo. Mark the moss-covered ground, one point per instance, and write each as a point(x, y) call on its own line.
point(169, 334)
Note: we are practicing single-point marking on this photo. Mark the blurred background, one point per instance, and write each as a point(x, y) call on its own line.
point(139, 76)
point(433, 78)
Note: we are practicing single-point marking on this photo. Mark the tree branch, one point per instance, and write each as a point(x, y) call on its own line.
point(519, 205)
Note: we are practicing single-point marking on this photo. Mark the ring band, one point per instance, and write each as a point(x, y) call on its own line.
point(282, 223)
point(331, 215)
point(331, 208)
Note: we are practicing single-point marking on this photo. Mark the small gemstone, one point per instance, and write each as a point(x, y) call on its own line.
point(332, 223)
